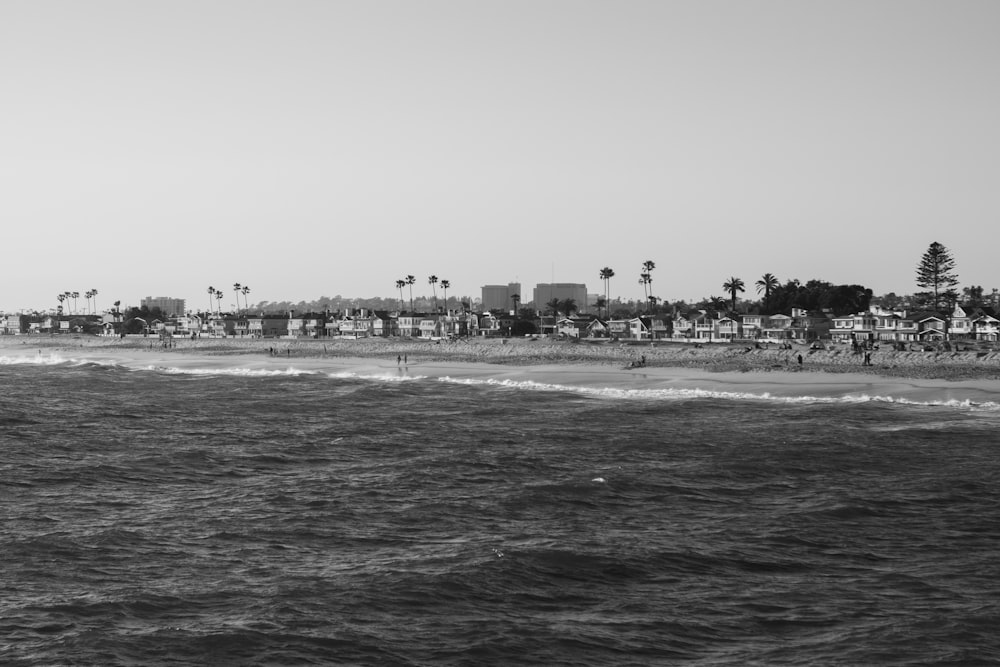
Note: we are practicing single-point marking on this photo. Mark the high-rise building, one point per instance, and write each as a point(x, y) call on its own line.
point(498, 297)
point(169, 306)
point(545, 292)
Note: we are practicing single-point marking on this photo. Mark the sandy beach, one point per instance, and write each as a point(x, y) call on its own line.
point(969, 376)
point(714, 358)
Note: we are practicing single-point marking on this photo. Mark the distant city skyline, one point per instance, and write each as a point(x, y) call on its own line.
point(323, 148)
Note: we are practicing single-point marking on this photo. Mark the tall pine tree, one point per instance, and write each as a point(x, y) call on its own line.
point(936, 273)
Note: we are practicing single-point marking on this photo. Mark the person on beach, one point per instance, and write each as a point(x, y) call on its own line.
point(800, 360)
point(398, 359)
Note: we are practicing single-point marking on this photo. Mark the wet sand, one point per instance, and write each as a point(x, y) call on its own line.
point(957, 366)
point(671, 367)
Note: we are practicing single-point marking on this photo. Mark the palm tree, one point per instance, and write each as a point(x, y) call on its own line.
point(61, 297)
point(445, 284)
point(400, 284)
point(554, 306)
point(607, 273)
point(767, 282)
point(647, 275)
point(409, 281)
point(569, 307)
point(218, 301)
point(236, 288)
point(733, 285)
point(75, 295)
point(211, 293)
point(86, 295)
point(93, 295)
point(245, 290)
point(433, 280)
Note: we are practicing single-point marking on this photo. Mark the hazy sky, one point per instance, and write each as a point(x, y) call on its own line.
point(322, 148)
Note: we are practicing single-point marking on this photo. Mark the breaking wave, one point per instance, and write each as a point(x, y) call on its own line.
point(204, 368)
point(696, 393)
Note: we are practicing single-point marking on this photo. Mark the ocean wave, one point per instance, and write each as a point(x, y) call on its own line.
point(380, 377)
point(233, 371)
point(926, 397)
point(37, 360)
point(674, 393)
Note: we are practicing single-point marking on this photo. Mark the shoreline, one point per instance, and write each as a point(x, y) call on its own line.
point(712, 358)
point(675, 370)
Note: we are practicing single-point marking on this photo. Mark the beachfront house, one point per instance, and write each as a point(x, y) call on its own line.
point(895, 327)
point(547, 325)
point(810, 326)
point(683, 326)
point(727, 328)
point(189, 324)
point(960, 327)
point(800, 325)
point(573, 327)
point(597, 328)
point(431, 327)
point(752, 325)
point(218, 326)
point(843, 329)
point(295, 327)
point(255, 327)
point(778, 327)
point(10, 324)
point(657, 325)
point(489, 325)
point(379, 324)
point(181, 327)
point(455, 323)
point(313, 326)
point(505, 322)
point(704, 326)
point(863, 327)
point(985, 327)
point(695, 325)
point(355, 325)
point(631, 329)
point(274, 327)
point(931, 327)
point(409, 325)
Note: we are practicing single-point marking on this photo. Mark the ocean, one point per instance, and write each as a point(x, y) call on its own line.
point(215, 513)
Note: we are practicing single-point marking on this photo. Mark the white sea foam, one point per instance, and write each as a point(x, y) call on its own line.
point(381, 377)
point(674, 393)
point(924, 396)
point(238, 372)
point(37, 360)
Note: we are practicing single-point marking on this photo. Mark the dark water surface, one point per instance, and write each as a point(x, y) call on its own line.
point(163, 518)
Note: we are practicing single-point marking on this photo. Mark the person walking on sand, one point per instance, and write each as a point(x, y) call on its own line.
point(800, 360)
point(398, 359)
